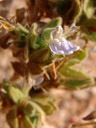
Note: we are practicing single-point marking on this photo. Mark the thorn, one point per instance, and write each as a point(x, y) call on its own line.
point(53, 71)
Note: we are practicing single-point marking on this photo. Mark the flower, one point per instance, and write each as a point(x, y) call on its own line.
point(57, 32)
point(35, 81)
point(59, 45)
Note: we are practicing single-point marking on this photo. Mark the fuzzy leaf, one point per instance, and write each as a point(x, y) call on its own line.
point(72, 78)
point(55, 22)
point(39, 110)
point(89, 7)
point(76, 58)
point(27, 122)
point(76, 83)
point(21, 32)
point(22, 29)
point(90, 36)
point(35, 119)
point(46, 104)
point(34, 111)
point(28, 109)
point(32, 41)
point(69, 72)
point(13, 92)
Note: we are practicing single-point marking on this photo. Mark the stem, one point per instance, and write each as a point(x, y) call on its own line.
point(83, 124)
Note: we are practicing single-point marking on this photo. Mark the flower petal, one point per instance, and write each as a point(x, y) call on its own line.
point(54, 49)
point(39, 79)
point(73, 47)
point(68, 47)
point(59, 45)
point(57, 32)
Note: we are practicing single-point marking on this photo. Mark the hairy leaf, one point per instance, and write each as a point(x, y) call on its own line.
point(13, 92)
point(69, 72)
point(89, 7)
point(76, 83)
point(76, 58)
point(27, 122)
point(46, 104)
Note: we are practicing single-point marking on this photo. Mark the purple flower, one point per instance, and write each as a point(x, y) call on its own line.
point(59, 45)
point(35, 80)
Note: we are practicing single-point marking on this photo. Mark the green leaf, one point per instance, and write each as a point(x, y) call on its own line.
point(91, 36)
point(54, 23)
point(76, 83)
point(21, 33)
point(39, 110)
point(34, 109)
point(68, 72)
point(22, 29)
point(32, 41)
point(76, 58)
point(14, 93)
point(77, 10)
point(35, 119)
point(46, 103)
point(28, 108)
point(27, 122)
point(34, 115)
point(32, 36)
point(89, 7)
point(71, 78)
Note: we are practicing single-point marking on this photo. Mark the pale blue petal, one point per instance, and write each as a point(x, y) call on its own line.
point(64, 43)
point(61, 46)
point(39, 79)
point(73, 47)
point(54, 49)
point(68, 47)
